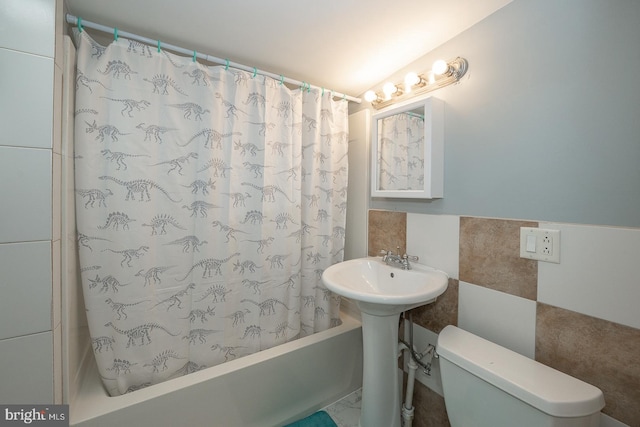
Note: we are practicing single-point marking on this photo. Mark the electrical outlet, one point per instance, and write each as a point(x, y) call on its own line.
point(547, 245)
point(540, 243)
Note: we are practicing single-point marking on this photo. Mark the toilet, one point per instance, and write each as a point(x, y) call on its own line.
point(486, 385)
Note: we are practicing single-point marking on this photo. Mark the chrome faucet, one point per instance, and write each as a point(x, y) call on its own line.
point(397, 260)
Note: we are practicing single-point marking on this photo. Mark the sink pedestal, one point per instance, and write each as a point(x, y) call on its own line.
point(380, 388)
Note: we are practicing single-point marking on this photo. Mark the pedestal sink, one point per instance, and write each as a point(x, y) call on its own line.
point(382, 292)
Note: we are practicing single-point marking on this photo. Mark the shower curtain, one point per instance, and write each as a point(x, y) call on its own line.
point(401, 157)
point(209, 201)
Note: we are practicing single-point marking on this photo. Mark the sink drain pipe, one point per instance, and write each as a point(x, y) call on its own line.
point(414, 363)
point(407, 408)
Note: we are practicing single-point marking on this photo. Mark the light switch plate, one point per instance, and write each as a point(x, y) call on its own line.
point(547, 244)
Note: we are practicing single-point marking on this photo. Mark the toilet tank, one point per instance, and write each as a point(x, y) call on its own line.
point(486, 385)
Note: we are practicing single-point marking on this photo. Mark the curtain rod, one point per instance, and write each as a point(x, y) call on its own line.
point(79, 22)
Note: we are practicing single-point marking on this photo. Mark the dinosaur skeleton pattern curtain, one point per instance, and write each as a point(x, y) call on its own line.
point(209, 201)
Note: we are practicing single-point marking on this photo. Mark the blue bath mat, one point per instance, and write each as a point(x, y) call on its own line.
point(319, 419)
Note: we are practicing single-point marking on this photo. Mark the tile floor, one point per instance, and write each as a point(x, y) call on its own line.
point(346, 411)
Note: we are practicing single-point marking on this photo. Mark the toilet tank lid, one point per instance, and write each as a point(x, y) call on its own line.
point(541, 386)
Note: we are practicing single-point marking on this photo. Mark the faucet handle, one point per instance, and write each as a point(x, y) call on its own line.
point(405, 261)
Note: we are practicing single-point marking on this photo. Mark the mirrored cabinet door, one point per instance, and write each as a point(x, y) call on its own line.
point(408, 151)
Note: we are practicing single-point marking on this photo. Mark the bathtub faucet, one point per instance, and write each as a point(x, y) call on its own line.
point(397, 260)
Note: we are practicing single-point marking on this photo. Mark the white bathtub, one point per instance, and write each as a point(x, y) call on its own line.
point(269, 388)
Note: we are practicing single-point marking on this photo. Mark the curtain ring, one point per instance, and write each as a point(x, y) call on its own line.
point(115, 34)
point(226, 65)
point(281, 79)
point(194, 56)
point(159, 46)
point(79, 23)
point(255, 71)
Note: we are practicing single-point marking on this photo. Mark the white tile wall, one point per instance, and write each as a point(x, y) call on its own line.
point(26, 110)
point(502, 318)
point(25, 306)
point(25, 372)
point(597, 275)
point(435, 239)
point(27, 48)
point(25, 190)
point(28, 26)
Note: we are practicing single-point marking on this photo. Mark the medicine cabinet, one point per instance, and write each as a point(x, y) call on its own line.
point(407, 150)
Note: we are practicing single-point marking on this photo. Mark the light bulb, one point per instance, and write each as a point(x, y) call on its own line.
point(370, 96)
point(410, 80)
point(440, 67)
point(389, 89)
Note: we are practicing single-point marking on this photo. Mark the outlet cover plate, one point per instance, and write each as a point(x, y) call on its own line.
point(547, 244)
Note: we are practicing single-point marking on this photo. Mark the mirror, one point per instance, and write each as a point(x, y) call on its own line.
point(407, 151)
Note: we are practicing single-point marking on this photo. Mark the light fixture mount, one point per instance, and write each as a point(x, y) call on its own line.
point(452, 73)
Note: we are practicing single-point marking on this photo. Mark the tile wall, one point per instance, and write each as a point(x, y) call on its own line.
point(579, 316)
point(30, 328)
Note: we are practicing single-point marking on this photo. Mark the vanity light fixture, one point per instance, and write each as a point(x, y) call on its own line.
point(442, 74)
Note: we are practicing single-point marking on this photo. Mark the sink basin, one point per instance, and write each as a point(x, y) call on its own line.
point(378, 288)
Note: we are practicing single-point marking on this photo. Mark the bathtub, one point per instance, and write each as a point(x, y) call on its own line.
point(269, 388)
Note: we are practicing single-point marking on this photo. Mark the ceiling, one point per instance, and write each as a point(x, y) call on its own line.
point(344, 45)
